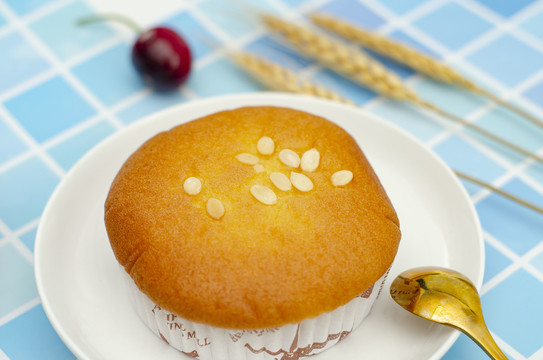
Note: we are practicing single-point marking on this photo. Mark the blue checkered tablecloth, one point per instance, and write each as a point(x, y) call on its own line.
point(63, 89)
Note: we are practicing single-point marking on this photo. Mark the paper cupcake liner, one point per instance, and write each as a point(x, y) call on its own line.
point(293, 341)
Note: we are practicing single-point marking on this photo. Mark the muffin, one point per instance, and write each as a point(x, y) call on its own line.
point(259, 231)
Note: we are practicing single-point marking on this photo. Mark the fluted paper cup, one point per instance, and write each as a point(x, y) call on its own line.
point(293, 341)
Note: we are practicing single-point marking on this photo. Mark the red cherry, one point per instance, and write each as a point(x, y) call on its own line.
point(162, 57)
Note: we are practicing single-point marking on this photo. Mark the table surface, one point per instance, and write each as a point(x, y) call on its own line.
point(63, 89)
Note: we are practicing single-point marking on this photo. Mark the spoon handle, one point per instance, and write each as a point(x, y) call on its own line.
point(483, 338)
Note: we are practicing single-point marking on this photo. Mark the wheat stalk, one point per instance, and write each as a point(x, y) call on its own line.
point(360, 67)
point(499, 191)
point(413, 59)
point(279, 78)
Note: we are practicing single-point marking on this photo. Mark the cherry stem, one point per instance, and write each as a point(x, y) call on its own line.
point(91, 19)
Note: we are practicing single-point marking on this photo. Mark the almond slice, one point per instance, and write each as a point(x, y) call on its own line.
point(289, 158)
point(310, 160)
point(215, 208)
point(259, 168)
point(265, 145)
point(264, 194)
point(281, 181)
point(342, 177)
point(248, 159)
point(301, 181)
point(192, 185)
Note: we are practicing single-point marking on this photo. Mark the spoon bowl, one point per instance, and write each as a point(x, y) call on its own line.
point(446, 297)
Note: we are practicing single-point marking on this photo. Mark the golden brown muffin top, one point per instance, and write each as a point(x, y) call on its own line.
point(257, 266)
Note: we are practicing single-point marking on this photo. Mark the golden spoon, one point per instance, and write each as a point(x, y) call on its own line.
point(446, 297)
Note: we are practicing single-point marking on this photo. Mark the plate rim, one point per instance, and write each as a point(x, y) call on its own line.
point(249, 98)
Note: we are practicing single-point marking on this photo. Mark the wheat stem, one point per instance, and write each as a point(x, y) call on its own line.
point(512, 107)
point(414, 59)
point(499, 191)
point(481, 131)
point(361, 68)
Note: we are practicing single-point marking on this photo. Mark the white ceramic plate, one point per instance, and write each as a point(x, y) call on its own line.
point(81, 286)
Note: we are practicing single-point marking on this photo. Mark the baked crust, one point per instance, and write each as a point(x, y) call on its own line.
point(259, 266)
